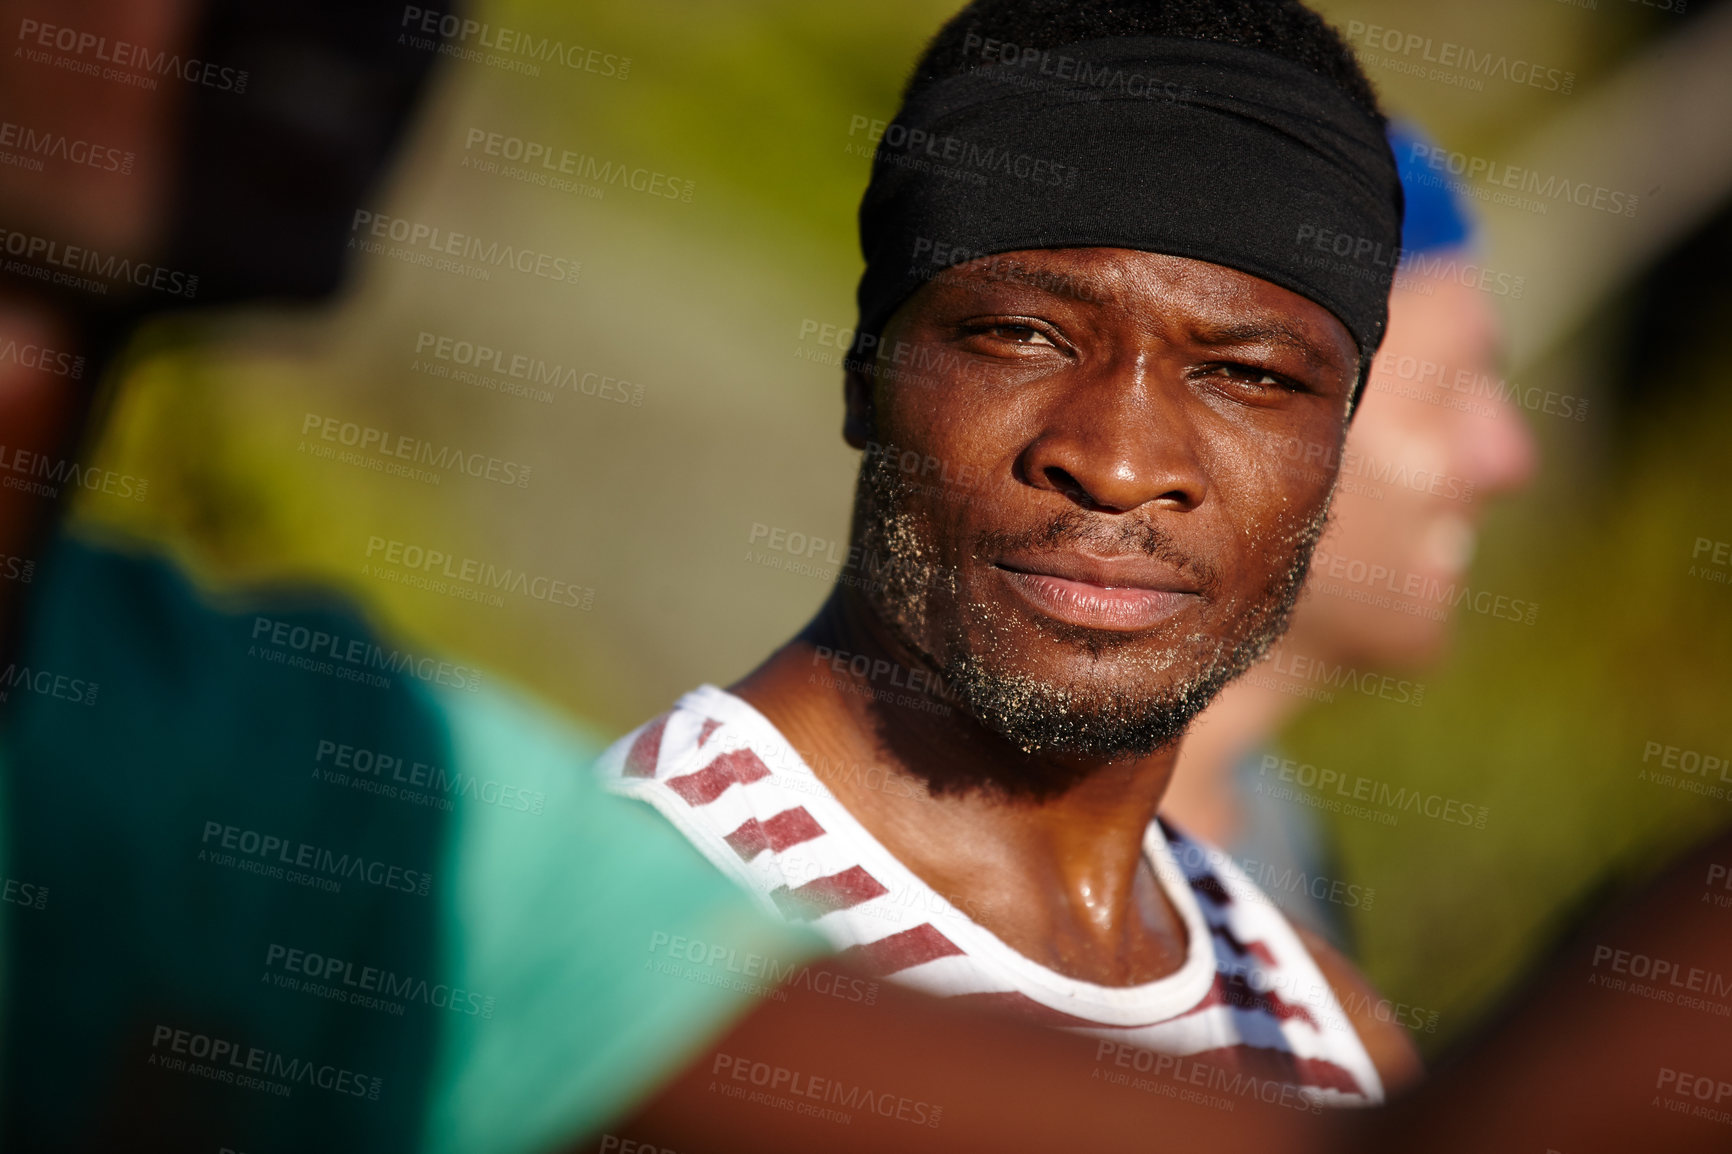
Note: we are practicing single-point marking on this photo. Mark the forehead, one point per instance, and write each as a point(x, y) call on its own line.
point(1151, 287)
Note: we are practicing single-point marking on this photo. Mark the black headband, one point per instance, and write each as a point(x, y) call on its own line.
point(1187, 147)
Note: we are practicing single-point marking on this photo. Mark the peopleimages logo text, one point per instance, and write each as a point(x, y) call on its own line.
point(318, 859)
point(376, 980)
point(124, 54)
point(362, 654)
point(432, 240)
point(49, 254)
point(459, 31)
point(230, 1062)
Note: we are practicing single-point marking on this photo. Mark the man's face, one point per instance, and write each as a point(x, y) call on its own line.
point(1073, 481)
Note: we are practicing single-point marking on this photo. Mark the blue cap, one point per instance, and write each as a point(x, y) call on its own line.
point(1436, 217)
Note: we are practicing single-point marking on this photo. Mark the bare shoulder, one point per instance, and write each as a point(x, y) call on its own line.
point(1392, 1051)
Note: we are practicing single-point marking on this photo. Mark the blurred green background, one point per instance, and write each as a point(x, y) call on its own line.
point(709, 307)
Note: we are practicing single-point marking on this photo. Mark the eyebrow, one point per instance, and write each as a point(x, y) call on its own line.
point(1271, 330)
point(1091, 290)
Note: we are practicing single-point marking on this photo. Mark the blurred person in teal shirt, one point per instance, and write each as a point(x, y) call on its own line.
point(273, 880)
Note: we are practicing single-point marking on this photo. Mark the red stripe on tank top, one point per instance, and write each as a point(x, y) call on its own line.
point(826, 894)
point(646, 751)
point(1233, 990)
point(1210, 887)
point(1255, 949)
point(736, 767)
point(901, 951)
point(788, 828)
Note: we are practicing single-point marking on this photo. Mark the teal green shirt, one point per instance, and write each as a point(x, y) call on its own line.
point(275, 883)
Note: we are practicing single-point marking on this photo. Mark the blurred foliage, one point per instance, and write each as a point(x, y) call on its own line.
point(704, 306)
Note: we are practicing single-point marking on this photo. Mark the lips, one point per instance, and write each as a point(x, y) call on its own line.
point(1126, 594)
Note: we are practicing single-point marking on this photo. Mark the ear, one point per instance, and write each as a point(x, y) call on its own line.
point(857, 417)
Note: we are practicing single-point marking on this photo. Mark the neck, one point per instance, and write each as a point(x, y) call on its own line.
point(1060, 873)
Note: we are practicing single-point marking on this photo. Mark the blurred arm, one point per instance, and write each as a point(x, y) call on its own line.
point(1578, 1067)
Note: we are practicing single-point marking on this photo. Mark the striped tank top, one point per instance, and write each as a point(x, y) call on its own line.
point(1248, 1001)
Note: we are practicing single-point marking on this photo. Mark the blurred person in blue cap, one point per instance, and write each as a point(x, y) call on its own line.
point(1435, 441)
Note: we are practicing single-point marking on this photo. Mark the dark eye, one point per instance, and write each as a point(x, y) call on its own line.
point(1255, 377)
point(1017, 334)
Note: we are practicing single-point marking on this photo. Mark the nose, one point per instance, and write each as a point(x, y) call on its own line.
point(1501, 455)
point(1117, 440)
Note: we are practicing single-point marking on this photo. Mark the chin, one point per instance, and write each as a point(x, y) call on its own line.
point(1121, 704)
